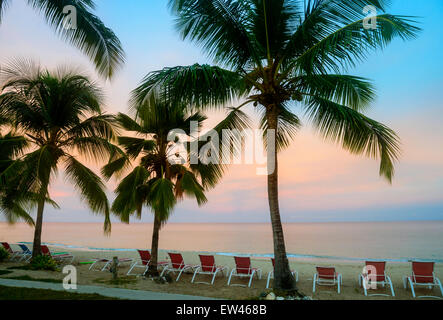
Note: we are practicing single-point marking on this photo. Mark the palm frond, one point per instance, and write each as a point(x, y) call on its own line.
point(130, 194)
point(221, 27)
point(91, 35)
point(355, 132)
point(100, 126)
point(288, 124)
point(12, 146)
point(272, 24)
point(134, 146)
point(346, 45)
point(92, 148)
point(196, 85)
point(3, 6)
point(127, 123)
point(90, 187)
point(115, 167)
point(161, 198)
point(355, 92)
point(191, 187)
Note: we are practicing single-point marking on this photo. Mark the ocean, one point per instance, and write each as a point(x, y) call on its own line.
point(393, 241)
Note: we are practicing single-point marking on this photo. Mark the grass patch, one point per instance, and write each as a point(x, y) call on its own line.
point(28, 278)
point(25, 267)
point(12, 293)
point(3, 272)
point(119, 282)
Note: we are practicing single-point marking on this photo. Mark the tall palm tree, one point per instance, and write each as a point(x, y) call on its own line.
point(59, 113)
point(279, 54)
point(164, 173)
point(90, 34)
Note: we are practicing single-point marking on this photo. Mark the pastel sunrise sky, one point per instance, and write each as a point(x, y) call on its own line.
point(319, 182)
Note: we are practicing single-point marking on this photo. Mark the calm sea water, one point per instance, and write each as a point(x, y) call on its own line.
point(349, 241)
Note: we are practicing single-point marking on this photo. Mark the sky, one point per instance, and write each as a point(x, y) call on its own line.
point(319, 182)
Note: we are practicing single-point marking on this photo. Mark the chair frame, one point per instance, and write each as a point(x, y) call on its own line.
point(14, 255)
point(250, 273)
point(215, 269)
point(181, 268)
point(364, 278)
point(26, 254)
point(336, 281)
point(411, 280)
point(144, 263)
point(271, 274)
point(107, 263)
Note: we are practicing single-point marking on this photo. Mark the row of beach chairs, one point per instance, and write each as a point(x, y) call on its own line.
point(373, 276)
point(374, 273)
point(26, 254)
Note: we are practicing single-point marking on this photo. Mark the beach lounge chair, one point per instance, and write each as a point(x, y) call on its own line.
point(145, 257)
point(327, 276)
point(422, 275)
point(107, 263)
point(208, 267)
point(375, 274)
point(61, 257)
point(14, 255)
point(243, 269)
point(177, 265)
point(271, 274)
point(26, 254)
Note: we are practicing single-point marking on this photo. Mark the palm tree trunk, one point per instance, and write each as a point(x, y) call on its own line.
point(283, 279)
point(36, 249)
point(153, 271)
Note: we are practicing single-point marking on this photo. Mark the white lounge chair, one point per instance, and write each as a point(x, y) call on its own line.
point(374, 276)
point(327, 276)
point(423, 275)
point(177, 265)
point(208, 267)
point(243, 269)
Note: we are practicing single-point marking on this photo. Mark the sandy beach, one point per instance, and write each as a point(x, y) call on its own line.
point(305, 268)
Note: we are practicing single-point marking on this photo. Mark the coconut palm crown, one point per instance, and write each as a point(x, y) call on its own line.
point(59, 114)
point(163, 173)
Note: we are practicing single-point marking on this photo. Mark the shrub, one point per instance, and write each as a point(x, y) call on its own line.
point(4, 255)
point(43, 263)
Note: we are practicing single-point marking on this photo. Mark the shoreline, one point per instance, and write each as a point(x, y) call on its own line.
point(258, 256)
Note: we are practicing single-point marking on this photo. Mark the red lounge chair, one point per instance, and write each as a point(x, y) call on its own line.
point(375, 274)
point(57, 257)
point(271, 274)
point(177, 265)
point(243, 269)
point(14, 255)
point(107, 263)
point(145, 257)
point(423, 275)
point(328, 277)
point(209, 267)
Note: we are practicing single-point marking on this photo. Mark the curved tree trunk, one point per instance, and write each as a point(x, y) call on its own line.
point(283, 279)
point(153, 270)
point(36, 248)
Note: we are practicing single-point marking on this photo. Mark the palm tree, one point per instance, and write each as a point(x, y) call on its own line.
point(279, 54)
point(60, 116)
point(90, 34)
point(164, 174)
